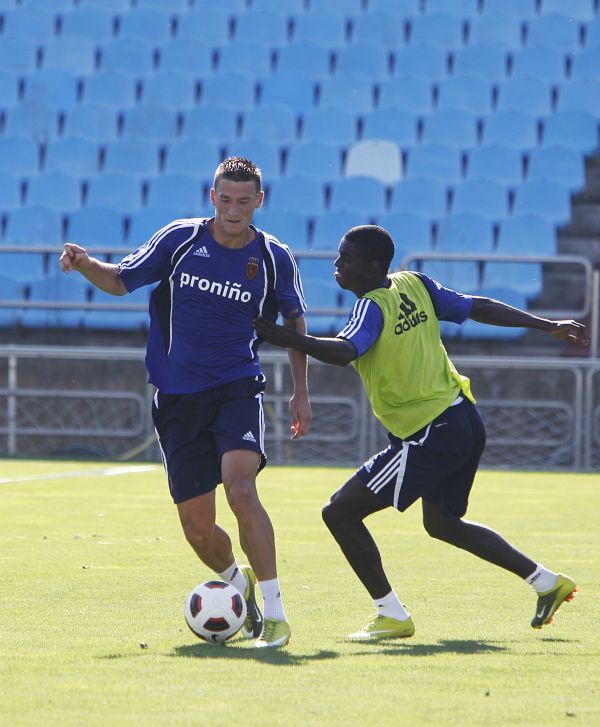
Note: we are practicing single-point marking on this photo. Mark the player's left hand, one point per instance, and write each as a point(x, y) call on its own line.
point(274, 333)
point(570, 331)
point(301, 414)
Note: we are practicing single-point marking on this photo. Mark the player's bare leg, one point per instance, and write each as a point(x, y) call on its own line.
point(209, 541)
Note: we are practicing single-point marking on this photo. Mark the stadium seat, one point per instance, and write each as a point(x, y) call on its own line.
point(347, 91)
point(557, 164)
point(37, 23)
point(291, 6)
point(275, 122)
point(547, 64)
point(434, 161)
point(95, 23)
point(149, 122)
point(70, 53)
point(265, 154)
point(32, 120)
point(180, 56)
point(302, 194)
point(210, 122)
point(145, 223)
point(443, 31)
point(465, 93)
point(578, 9)
point(497, 163)
point(20, 157)
point(110, 88)
point(168, 88)
point(481, 197)
point(131, 156)
point(524, 277)
point(91, 121)
point(119, 318)
point(269, 28)
point(12, 291)
point(391, 124)
point(457, 8)
point(17, 54)
point(55, 191)
point(528, 95)
point(69, 289)
point(329, 228)
point(545, 199)
point(343, 7)
point(426, 197)
point(411, 233)
point(381, 27)
point(580, 94)
point(464, 233)
point(592, 33)
point(113, 5)
point(450, 127)
point(22, 267)
point(521, 9)
point(421, 61)
point(364, 59)
point(399, 8)
point(192, 156)
point(251, 56)
point(127, 55)
point(9, 89)
point(57, 89)
point(33, 226)
point(10, 192)
point(526, 235)
point(355, 193)
point(556, 31)
point(212, 22)
point(571, 129)
point(414, 95)
point(121, 192)
point(181, 193)
point(101, 226)
point(460, 275)
point(315, 159)
point(229, 89)
point(308, 58)
point(151, 25)
point(586, 63)
point(317, 268)
point(324, 28)
point(510, 128)
point(290, 89)
point(374, 158)
point(481, 60)
point(289, 227)
point(337, 126)
point(496, 30)
point(321, 294)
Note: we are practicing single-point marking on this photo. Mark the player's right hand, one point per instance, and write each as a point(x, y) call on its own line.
point(73, 257)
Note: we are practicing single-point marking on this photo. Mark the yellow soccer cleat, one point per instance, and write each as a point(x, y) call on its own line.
point(275, 633)
point(384, 627)
point(253, 623)
point(549, 602)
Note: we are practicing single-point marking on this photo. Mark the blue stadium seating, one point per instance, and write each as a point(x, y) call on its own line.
point(342, 7)
point(481, 197)
point(211, 122)
point(543, 198)
point(17, 54)
point(330, 227)
point(212, 22)
point(324, 28)
point(586, 63)
point(557, 31)
point(571, 129)
point(60, 192)
point(451, 128)
point(288, 226)
point(521, 9)
point(434, 161)
point(425, 197)
point(308, 58)
point(19, 156)
point(251, 56)
point(592, 33)
point(524, 277)
point(481, 60)
point(400, 8)
point(12, 290)
point(498, 163)
point(375, 158)
point(110, 88)
point(300, 194)
point(131, 156)
point(91, 121)
point(22, 267)
point(411, 233)
point(149, 122)
point(56, 89)
point(291, 89)
point(557, 164)
point(150, 25)
point(266, 155)
point(580, 94)
point(37, 23)
point(198, 157)
point(32, 120)
point(271, 121)
point(145, 223)
point(547, 64)
point(528, 95)
point(56, 287)
point(190, 59)
point(444, 31)
point(9, 89)
point(465, 93)
point(381, 27)
point(503, 31)
point(411, 94)
point(337, 126)
point(347, 91)
point(355, 193)
point(10, 192)
point(127, 55)
point(391, 124)
point(178, 192)
point(321, 294)
point(315, 159)
point(263, 27)
point(71, 155)
point(464, 233)
point(317, 268)
point(421, 61)
point(526, 235)
point(114, 5)
point(169, 88)
point(460, 275)
point(91, 22)
point(510, 128)
point(363, 58)
point(70, 53)
point(578, 9)
point(119, 191)
point(33, 226)
point(291, 6)
point(119, 319)
point(229, 89)
point(97, 226)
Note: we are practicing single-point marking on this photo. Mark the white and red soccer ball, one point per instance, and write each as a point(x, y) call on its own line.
point(215, 611)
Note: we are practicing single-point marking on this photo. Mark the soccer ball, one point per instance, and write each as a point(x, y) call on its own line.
point(215, 611)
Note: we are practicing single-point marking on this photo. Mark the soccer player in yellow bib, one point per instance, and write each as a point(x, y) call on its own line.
point(436, 434)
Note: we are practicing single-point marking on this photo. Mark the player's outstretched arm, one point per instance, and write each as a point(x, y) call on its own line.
point(104, 276)
point(335, 351)
point(496, 313)
point(300, 409)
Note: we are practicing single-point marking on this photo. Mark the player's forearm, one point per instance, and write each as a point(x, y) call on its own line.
point(104, 276)
point(496, 313)
point(334, 351)
point(299, 361)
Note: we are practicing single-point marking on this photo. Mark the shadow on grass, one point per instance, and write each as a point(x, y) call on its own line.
point(268, 656)
point(404, 648)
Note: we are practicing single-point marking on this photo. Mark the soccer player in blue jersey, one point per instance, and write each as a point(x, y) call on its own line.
point(214, 277)
point(436, 434)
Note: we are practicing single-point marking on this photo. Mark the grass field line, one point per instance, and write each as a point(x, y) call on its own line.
point(105, 472)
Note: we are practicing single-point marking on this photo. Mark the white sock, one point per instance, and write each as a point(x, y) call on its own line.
point(234, 576)
point(273, 605)
point(390, 606)
point(542, 579)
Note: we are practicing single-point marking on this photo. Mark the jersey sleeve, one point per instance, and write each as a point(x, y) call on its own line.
point(364, 326)
point(152, 261)
point(447, 303)
point(288, 286)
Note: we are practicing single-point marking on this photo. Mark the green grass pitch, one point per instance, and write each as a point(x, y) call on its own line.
point(94, 571)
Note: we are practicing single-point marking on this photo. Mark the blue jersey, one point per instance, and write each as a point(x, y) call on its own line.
point(201, 313)
point(366, 319)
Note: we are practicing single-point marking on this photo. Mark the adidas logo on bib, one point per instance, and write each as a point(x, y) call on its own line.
point(202, 252)
point(249, 437)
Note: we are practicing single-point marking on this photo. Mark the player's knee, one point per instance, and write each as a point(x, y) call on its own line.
point(437, 525)
point(198, 536)
point(332, 515)
point(242, 499)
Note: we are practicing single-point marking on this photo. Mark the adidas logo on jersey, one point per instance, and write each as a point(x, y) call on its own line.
point(249, 437)
point(202, 252)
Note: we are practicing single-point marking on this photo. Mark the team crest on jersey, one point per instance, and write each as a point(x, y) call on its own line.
point(252, 268)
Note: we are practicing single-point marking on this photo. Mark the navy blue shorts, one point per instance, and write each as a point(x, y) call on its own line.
point(195, 430)
point(438, 463)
